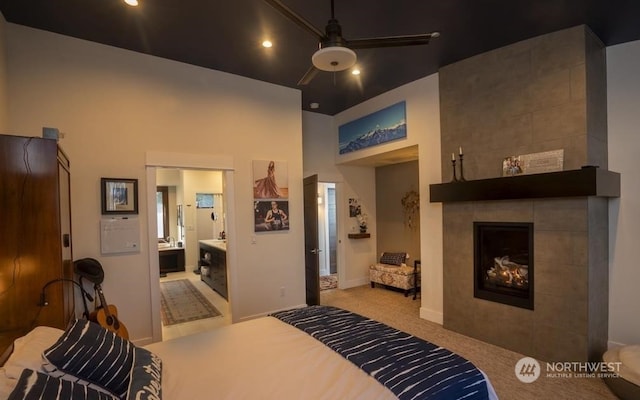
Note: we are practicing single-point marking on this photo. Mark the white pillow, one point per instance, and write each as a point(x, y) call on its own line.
point(27, 350)
point(6, 384)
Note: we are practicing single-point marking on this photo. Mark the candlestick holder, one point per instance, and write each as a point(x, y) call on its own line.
point(461, 170)
point(453, 166)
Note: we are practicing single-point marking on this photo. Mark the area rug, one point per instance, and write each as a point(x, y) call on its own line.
point(182, 302)
point(328, 282)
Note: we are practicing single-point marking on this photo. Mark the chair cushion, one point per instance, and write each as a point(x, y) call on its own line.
point(393, 269)
point(393, 258)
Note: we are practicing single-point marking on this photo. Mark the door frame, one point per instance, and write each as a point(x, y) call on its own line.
point(222, 163)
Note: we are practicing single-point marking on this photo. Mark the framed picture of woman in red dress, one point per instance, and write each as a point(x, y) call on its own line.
point(270, 180)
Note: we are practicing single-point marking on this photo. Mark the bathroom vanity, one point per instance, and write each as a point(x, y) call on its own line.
point(213, 265)
point(171, 259)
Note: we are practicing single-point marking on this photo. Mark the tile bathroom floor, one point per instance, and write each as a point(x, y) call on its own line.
point(188, 328)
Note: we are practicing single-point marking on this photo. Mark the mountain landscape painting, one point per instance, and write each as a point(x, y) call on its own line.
point(380, 127)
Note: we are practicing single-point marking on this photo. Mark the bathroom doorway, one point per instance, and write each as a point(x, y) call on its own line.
point(190, 210)
point(327, 235)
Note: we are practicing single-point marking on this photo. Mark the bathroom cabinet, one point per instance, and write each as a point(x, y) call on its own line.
point(213, 265)
point(35, 236)
point(171, 260)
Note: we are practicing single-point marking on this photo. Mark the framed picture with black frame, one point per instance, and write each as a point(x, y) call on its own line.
point(119, 196)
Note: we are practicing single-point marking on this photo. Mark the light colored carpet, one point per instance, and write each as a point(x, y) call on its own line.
point(400, 312)
point(182, 302)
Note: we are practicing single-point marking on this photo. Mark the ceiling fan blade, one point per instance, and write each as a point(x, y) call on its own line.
point(308, 76)
point(391, 41)
point(303, 23)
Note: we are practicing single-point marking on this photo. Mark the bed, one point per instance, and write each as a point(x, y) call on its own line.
point(316, 352)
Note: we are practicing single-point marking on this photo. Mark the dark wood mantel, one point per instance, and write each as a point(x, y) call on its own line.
point(588, 181)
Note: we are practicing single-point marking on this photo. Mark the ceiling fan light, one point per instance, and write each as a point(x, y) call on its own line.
point(334, 58)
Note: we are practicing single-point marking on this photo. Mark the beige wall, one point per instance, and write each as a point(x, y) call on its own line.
point(354, 255)
point(115, 106)
point(4, 105)
point(394, 235)
point(423, 129)
point(623, 93)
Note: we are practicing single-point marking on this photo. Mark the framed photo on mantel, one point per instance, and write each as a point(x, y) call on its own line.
point(534, 163)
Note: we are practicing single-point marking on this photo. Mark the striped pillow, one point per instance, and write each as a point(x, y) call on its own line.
point(89, 354)
point(34, 385)
point(393, 258)
point(146, 376)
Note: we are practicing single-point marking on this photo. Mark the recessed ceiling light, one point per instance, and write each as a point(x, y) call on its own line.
point(314, 105)
point(355, 71)
point(267, 43)
point(132, 3)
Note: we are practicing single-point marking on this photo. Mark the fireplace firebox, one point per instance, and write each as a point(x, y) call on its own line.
point(503, 262)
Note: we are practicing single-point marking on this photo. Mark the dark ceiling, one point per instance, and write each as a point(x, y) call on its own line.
point(226, 35)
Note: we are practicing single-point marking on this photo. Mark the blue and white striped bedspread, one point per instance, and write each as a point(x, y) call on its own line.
point(410, 367)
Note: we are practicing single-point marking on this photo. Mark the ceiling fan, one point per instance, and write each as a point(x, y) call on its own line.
point(335, 52)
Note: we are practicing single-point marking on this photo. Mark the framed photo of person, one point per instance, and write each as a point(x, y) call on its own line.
point(270, 180)
point(119, 196)
point(271, 215)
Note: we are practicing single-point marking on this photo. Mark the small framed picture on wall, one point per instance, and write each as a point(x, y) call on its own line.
point(119, 196)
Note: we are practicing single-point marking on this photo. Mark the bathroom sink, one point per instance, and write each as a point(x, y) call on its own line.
point(164, 245)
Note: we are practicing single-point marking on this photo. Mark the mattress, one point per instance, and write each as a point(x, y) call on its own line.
point(259, 359)
point(263, 358)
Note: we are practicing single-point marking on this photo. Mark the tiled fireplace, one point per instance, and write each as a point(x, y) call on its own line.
point(541, 94)
point(503, 269)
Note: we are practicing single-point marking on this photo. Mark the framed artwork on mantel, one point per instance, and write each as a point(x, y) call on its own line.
point(534, 163)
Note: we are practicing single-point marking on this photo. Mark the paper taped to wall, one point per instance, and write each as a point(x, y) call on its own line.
point(119, 235)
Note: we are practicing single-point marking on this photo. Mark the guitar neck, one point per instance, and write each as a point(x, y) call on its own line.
point(103, 302)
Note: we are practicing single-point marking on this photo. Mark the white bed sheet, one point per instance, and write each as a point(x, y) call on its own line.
point(262, 359)
point(259, 359)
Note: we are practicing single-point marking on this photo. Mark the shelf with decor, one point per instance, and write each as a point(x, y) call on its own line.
point(588, 181)
point(358, 235)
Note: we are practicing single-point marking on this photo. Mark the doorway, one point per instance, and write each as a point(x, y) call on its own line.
point(180, 162)
point(195, 216)
point(320, 237)
point(327, 235)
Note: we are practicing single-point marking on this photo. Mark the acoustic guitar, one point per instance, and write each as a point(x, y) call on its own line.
point(107, 316)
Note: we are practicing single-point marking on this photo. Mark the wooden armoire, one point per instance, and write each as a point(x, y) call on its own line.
point(35, 236)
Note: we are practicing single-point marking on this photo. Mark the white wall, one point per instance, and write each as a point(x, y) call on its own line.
point(114, 107)
point(4, 118)
point(320, 148)
point(423, 129)
point(623, 94)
